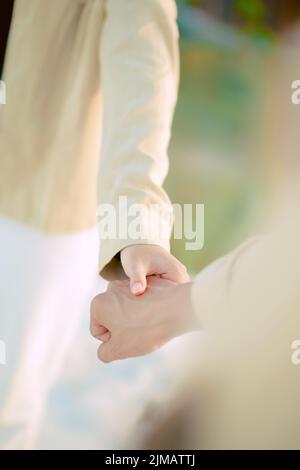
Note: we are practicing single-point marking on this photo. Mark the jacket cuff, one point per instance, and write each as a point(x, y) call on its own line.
point(110, 267)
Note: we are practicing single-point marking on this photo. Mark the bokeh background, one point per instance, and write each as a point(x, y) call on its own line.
point(215, 155)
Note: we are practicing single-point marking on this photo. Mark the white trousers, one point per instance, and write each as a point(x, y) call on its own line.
point(44, 286)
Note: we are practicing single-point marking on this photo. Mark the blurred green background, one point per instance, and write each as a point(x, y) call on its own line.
point(214, 157)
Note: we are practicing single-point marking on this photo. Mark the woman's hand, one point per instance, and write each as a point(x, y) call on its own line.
point(140, 261)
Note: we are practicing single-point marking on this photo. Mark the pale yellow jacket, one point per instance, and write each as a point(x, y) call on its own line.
point(249, 301)
point(83, 75)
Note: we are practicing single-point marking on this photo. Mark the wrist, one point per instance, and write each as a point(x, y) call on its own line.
point(181, 315)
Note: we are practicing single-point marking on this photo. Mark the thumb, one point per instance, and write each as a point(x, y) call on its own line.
point(136, 270)
point(138, 282)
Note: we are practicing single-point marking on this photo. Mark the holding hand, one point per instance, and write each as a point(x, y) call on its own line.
point(131, 326)
point(139, 261)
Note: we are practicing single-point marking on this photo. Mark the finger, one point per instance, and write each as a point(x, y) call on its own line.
point(98, 325)
point(105, 352)
point(97, 330)
point(138, 285)
point(137, 276)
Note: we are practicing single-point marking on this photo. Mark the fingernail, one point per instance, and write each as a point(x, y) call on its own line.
point(137, 288)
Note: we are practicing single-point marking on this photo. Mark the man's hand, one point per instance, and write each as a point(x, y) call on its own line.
point(132, 326)
point(139, 261)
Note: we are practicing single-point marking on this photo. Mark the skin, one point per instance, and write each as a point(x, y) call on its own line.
point(140, 261)
point(130, 326)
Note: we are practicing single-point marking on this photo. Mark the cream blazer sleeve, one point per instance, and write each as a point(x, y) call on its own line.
point(139, 77)
point(249, 304)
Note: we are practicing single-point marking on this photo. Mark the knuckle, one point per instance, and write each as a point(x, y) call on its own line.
point(182, 271)
point(182, 267)
point(99, 308)
point(93, 328)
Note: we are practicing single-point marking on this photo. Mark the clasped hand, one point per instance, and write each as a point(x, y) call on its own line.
point(132, 323)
